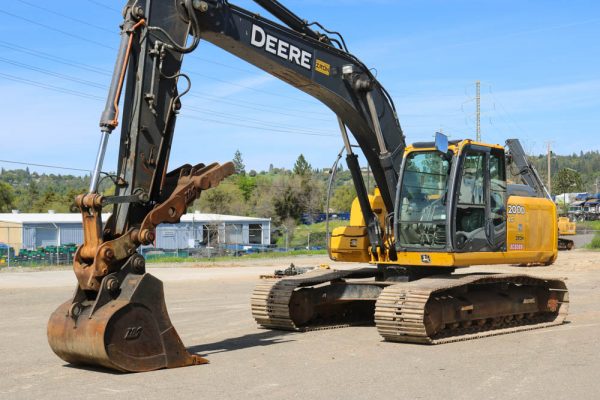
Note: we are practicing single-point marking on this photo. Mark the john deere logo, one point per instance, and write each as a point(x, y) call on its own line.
point(425, 259)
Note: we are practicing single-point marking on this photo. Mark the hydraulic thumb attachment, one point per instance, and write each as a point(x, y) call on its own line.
point(118, 318)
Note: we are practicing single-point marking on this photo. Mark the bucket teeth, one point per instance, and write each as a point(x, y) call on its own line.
point(125, 328)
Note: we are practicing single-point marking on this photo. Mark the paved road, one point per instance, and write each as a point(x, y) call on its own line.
point(581, 240)
point(209, 307)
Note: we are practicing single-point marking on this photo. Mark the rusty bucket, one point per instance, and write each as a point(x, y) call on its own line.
point(126, 327)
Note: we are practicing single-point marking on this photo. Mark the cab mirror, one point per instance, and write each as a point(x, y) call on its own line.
point(441, 142)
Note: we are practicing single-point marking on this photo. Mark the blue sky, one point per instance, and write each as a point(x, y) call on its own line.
point(538, 61)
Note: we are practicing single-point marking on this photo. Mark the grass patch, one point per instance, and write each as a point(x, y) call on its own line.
point(595, 243)
point(178, 260)
point(592, 225)
point(268, 255)
point(16, 267)
point(316, 232)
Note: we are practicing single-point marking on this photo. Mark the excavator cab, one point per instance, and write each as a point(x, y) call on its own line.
point(454, 208)
point(452, 201)
point(457, 208)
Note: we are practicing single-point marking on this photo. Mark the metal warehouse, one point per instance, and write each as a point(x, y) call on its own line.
point(206, 230)
point(30, 231)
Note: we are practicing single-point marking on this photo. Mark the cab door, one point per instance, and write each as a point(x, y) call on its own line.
point(479, 209)
point(498, 199)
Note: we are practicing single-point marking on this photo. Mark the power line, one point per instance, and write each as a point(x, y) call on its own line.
point(53, 58)
point(90, 68)
point(45, 166)
point(81, 21)
point(259, 107)
point(247, 87)
point(102, 28)
point(113, 48)
point(193, 55)
point(512, 121)
point(105, 72)
point(72, 35)
point(99, 4)
point(92, 97)
point(203, 110)
point(89, 83)
point(50, 87)
point(51, 73)
point(256, 127)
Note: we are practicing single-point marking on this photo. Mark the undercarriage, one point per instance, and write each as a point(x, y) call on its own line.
point(430, 309)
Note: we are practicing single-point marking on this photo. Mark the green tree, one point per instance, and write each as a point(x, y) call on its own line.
point(224, 199)
point(238, 162)
point(302, 167)
point(51, 200)
point(566, 181)
point(342, 198)
point(312, 194)
point(289, 204)
point(27, 196)
point(7, 197)
point(216, 201)
point(246, 184)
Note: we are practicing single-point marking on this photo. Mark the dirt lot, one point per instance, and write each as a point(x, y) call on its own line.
point(210, 308)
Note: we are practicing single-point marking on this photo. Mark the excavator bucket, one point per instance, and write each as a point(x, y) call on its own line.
point(125, 328)
point(118, 318)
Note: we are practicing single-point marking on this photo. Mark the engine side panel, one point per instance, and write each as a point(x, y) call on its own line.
point(531, 225)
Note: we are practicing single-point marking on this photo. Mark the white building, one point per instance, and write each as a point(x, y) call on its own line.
point(200, 230)
point(30, 231)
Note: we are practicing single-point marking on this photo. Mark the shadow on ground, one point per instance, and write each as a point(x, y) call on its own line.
point(265, 338)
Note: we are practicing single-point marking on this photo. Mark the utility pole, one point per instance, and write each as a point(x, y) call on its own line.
point(549, 167)
point(478, 101)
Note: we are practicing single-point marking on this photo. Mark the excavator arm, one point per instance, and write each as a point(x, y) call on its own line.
point(117, 317)
point(525, 169)
point(153, 45)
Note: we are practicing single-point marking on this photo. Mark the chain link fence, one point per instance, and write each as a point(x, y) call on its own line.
point(50, 246)
point(209, 241)
point(27, 247)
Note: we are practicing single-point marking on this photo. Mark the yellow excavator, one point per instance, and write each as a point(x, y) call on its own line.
point(566, 228)
point(438, 206)
point(453, 209)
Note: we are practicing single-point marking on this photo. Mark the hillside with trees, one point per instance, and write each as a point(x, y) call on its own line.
point(279, 193)
point(581, 175)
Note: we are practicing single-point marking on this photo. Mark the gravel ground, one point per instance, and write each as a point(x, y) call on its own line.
point(209, 306)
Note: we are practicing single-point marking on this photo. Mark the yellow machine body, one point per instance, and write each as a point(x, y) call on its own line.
point(531, 234)
point(351, 243)
point(531, 239)
point(566, 227)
